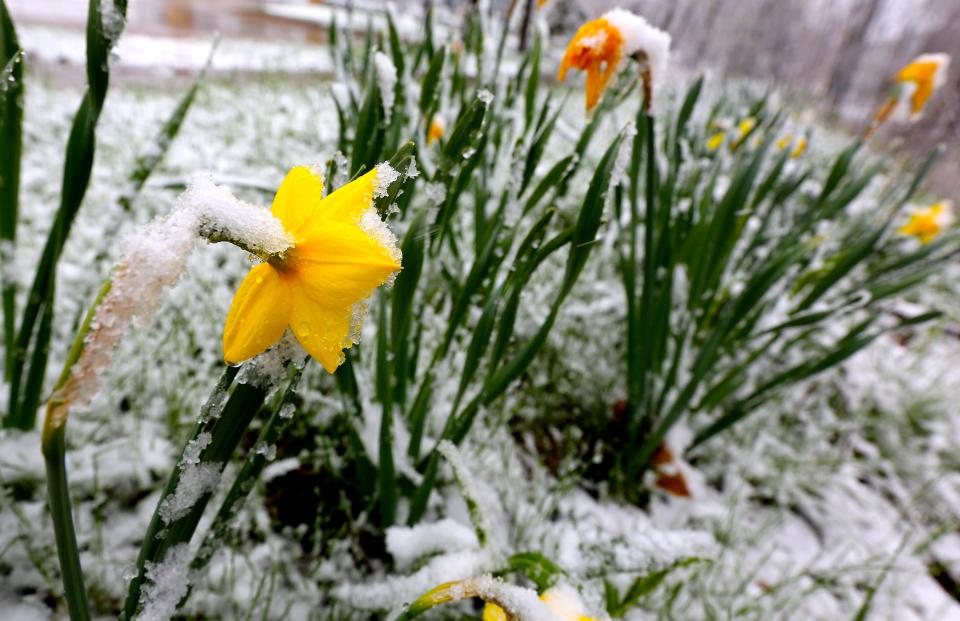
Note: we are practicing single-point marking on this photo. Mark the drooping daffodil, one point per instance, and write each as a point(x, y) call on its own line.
point(601, 44)
point(919, 80)
point(341, 252)
point(927, 223)
point(914, 85)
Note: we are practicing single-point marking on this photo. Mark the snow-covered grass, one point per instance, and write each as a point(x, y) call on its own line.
point(837, 493)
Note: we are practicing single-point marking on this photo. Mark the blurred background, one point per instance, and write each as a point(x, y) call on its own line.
point(834, 56)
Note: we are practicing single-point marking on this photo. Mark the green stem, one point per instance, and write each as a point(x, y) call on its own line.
point(58, 495)
point(53, 445)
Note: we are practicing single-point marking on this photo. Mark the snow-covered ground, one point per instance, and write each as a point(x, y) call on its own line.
point(843, 487)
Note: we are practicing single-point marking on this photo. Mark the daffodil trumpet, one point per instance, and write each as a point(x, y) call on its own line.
point(599, 47)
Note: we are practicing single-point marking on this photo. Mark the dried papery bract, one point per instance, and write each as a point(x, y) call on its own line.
point(154, 259)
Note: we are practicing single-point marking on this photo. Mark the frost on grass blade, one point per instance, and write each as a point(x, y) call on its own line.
point(167, 583)
point(196, 480)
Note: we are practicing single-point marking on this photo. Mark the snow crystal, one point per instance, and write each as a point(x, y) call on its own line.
point(223, 217)
point(376, 228)
point(485, 96)
point(639, 37)
point(520, 602)
point(386, 175)
point(267, 369)
point(195, 481)
point(408, 544)
point(167, 583)
point(269, 451)
point(412, 171)
point(191, 454)
point(386, 80)
point(287, 410)
point(112, 20)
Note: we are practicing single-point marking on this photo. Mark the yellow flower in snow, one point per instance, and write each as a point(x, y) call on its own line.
point(799, 146)
point(744, 128)
point(342, 251)
point(436, 129)
point(921, 78)
point(799, 149)
point(562, 601)
point(926, 224)
point(715, 141)
point(599, 46)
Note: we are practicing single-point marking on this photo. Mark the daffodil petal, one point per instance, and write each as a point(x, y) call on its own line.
point(492, 612)
point(323, 331)
point(342, 264)
point(346, 204)
point(298, 198)
point(258, 316)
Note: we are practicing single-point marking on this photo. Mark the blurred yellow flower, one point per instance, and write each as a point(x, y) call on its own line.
point(926, 224)
point(342, 252)
point(715, 141)
point(743, 131)
point(563, 602)
point(920, 79)
point(436, 129)
point(599, 46)
point(799, 146)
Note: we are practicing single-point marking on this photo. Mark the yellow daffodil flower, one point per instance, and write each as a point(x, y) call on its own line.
point(921, 78)
point(926, 224)
point(599, 45)
point(341, 252)
point(563, 602)
point(435, 131)
point(596, 48)
point(743, 131)
point(799, 146)
point(715, 141)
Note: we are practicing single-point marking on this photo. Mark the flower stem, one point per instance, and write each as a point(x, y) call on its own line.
point(58, 495)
